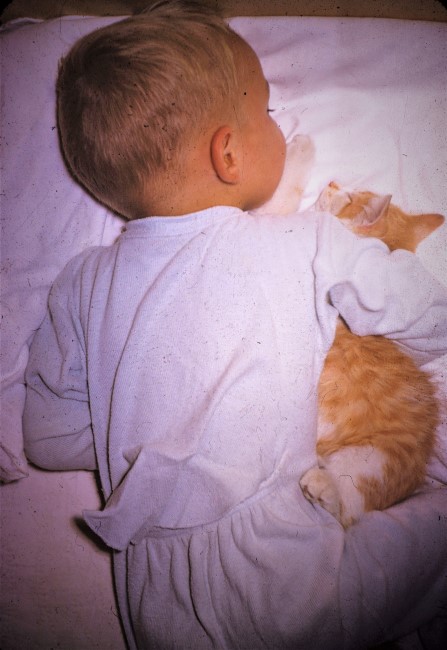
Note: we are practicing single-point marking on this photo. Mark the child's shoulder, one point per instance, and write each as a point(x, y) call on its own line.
point(305, 224)
point(84, 263)
point(305, 219)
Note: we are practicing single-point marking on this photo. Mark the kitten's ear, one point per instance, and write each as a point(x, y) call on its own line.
point(371, 212)
point(425, 224)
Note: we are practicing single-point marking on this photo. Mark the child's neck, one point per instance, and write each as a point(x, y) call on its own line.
point(188, 193)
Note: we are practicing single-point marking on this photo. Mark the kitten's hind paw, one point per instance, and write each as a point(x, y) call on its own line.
point(319, 487)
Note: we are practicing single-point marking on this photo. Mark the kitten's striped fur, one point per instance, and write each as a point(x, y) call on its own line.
point(378, 411)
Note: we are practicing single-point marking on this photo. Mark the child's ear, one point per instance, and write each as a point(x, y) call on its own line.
point(224, 155)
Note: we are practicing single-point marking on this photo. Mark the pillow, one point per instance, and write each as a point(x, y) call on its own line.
point(372, 93)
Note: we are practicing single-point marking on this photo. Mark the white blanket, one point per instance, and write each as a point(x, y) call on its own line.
point(371, 93)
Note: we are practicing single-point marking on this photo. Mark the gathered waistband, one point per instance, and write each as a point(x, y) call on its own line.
point(287, 484)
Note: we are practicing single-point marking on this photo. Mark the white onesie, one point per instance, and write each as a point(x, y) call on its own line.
point(183, 364)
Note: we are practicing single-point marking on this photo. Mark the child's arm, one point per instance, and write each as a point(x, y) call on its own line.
point(56, 421)
point(381, 293)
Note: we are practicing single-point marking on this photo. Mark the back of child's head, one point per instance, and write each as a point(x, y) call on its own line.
point(132, 94)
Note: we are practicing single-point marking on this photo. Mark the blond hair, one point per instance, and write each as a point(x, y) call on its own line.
point(132, 94)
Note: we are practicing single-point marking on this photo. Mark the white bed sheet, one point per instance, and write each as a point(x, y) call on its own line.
point(372, 94)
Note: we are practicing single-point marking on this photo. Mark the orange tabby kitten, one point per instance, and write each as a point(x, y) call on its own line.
point(378, 411)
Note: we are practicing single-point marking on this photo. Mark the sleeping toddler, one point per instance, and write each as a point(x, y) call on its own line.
point(182, 362)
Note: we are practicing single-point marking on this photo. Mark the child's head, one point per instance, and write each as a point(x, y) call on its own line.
point(136, 97)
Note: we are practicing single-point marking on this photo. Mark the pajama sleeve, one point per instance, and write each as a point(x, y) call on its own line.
point(380, 292)
point(56, 421)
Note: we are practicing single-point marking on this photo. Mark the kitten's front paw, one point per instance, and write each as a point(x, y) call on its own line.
point(302, 150)
point(319, 487)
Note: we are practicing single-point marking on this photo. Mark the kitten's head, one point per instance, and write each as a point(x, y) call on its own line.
point(372, 215)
